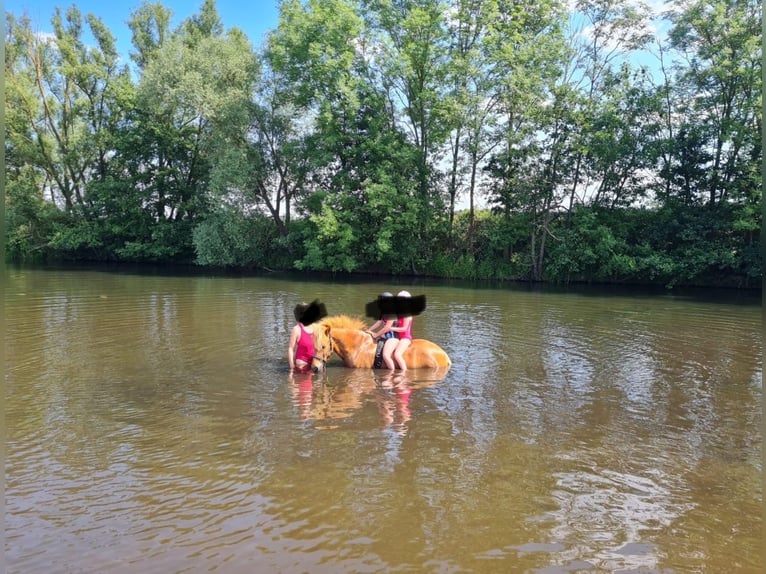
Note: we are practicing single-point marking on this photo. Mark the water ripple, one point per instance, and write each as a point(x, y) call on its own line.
point(151, 425)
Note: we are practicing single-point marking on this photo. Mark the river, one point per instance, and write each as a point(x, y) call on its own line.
point(151, 425)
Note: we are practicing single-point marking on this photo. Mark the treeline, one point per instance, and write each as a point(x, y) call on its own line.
point(364, 135)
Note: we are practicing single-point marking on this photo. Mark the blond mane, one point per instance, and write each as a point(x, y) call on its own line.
point(343, 322)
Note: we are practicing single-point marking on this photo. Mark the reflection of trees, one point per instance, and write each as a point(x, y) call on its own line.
point(637, 392)
point(611, 399)
point(566, 429)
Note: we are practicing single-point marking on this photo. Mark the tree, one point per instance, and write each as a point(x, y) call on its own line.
point(720, 74)
point(150, 26)
point(536, 101)
point(267, 164)
point(308, 87)
point(64, 91)
point(413, 47)
point(472, 103)
point(620, 146)
point(194, 93)
point(357, 188)
point(609, 31)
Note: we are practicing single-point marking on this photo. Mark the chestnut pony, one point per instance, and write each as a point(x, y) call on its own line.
point(345, 336)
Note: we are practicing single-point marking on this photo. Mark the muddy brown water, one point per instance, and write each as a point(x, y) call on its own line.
point(151, 425)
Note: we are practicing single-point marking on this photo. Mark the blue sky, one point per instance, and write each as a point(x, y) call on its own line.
point(254, 18)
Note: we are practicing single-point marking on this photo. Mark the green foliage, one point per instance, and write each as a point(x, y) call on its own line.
point(78, 239)
point(64, 101)
point(150, 26)
point(721, 84)
point(336, 147)
point(333, 246)
point(29, 220)
point(493, 248)
point(167, 241)
point(371, 231)
point(312, 47)
point(587, 250)
point(228, 238)
point(104, 240)
point(286, 249)
point(678, 246)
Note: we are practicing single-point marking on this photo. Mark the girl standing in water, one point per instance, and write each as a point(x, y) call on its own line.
point(300, 349)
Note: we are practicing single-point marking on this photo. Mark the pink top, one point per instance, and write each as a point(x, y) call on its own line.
point(406, 334)
point(305, 349)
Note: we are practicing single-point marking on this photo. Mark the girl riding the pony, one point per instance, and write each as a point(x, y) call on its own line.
point(403, 330)
point(385, 333)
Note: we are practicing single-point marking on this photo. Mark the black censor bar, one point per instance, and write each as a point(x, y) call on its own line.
point(313, 312)
point(400, 306)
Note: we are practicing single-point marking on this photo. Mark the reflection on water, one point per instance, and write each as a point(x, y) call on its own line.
point(152, 425)
point(336, 395)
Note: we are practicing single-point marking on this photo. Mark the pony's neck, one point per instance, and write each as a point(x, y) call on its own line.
point(353, 341)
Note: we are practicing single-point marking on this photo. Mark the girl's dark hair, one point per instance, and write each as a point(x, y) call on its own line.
point(299, 311)
point(307, 313)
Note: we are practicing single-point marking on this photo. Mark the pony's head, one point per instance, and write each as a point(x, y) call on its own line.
point(324, 344)
point(323, 347)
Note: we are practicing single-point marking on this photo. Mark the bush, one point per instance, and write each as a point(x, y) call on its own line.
point(229, 238)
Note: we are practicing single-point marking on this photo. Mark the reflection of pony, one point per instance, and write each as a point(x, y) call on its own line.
point(345, 336)
point(327, 403)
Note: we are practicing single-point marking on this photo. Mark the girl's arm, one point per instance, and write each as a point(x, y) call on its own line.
point(388, 325)
point(407, 321)
point(370, 330)
point(294, 335)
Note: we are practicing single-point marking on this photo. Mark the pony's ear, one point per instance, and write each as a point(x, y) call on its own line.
point(326, 330)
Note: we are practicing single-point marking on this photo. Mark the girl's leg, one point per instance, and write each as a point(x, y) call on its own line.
point(388, 351)
point(399, 353)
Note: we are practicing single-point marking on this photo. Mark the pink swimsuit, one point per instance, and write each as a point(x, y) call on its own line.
point(404, 334)
point(305, 350)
